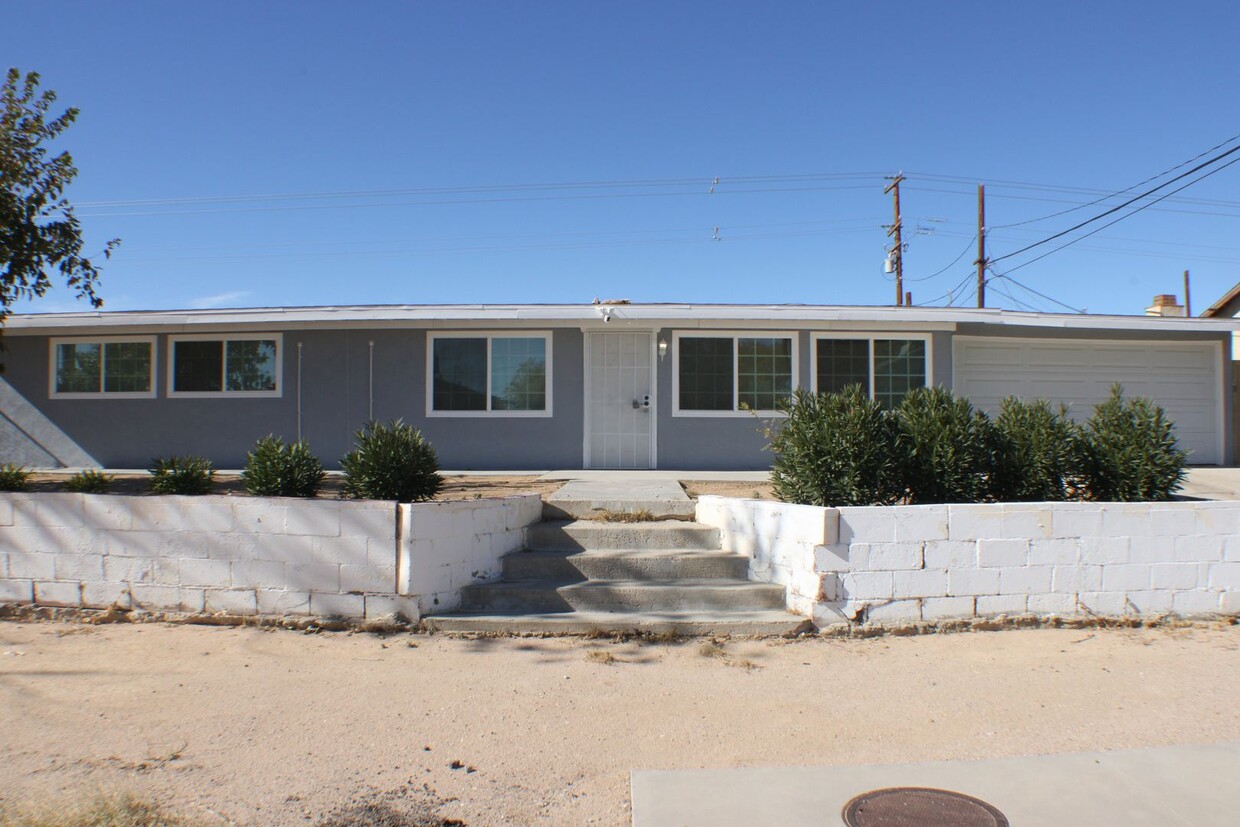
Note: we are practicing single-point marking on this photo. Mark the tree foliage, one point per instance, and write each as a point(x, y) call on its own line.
point(39, 233)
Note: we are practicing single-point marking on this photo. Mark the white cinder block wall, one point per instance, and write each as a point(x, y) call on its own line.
point(250, 555)
point(915, 563)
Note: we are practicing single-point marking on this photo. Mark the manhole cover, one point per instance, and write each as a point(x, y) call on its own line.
point(920, 807)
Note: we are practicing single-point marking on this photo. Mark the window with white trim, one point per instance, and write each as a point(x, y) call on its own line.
point(720, 374)
point(225, 365)
point(885, 368)
point(494, 373)
point(111, 367)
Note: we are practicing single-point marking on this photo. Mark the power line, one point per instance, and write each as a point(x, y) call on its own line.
point(966, 249)
point(1035, 292)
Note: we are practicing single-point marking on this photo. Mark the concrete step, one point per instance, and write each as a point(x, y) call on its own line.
point(589, 535)
point(624, 564)
point(541, 596)
point(662, 499)
point(689, 624)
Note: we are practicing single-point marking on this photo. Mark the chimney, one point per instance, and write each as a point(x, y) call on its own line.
point(1165, 305)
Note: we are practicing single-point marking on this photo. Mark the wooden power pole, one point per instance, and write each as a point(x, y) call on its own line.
point(981, 245)
point(1188, 302)
point(894, 229)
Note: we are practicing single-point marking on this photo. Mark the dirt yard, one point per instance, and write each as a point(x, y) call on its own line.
point(253, 727)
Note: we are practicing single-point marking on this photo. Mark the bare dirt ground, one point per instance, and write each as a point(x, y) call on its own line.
point(744, 490)
point(253, 727)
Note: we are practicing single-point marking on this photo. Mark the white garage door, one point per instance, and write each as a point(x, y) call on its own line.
point(1182, 378)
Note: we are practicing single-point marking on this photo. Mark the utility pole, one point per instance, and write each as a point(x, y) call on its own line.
point(981, 245)
point(1188, 302)
point(894, 229)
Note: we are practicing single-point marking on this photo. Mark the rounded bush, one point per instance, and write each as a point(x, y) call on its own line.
point(14, 478)
point(1129, 452)
point(181, 475)
point(1038, 453)
point(835, 449)
point(274, 469)
point(391, 462)
point(946, 448)
point(89, 481)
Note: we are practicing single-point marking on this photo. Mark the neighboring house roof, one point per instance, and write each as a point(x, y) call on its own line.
point(438, 315)
point(1229, 305)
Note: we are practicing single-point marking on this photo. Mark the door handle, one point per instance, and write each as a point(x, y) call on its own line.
point(642, 404)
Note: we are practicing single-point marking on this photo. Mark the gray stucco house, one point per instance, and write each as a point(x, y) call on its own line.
point(613, 385)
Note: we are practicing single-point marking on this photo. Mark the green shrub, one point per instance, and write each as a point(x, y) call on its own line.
point(1038, 454)
point(1130, 452)
point(391, 462)
point(14, 478)
point(274, 469)
point(89, 481)
point(835, 449)
point(946, 448)
point(181, 475)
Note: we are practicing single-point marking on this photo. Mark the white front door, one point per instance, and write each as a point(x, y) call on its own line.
point(620, 400)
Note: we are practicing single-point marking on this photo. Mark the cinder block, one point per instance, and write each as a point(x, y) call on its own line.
point(58, 594)
point(1076, 579)
point(947, 608)
point(897, 611)
point(1225, 576)
point(1178, 576)
point(337, 605)
point(211, 515)
point(885, 556)
point(212, 573)
point(950, 554)
point(1173, 519)
point(831, 613)
point(16, 591)
point(527, 509)
point(165, 571)
point(1025, 580)
point(803, 583)
point(32, 566)
point(489, 517)
point(313, 577)
point(1153, 548)
point(867, 585)
point(283, 548)
point(967, 582)
point(318, 518)
point(1217, 518)
point(920, 523)
point(133, 543)
point(353, 551)
point(368, 520)
point(1060, 551)
point(1196, 603)
point(59, 510)
point(154, 514)
point(1103, 551)
point(128, 569)
point(1076, 520)
point(1126, 578)
point(283, 602)
point(1002, 553)
point(1001, 604)
point(1026, 522)
point(1107, 604)
point(919, 583)
point(1150, 601)
point(866, 524)
point(103, 595)
point(1198, 548)
point(257, 574)
point(107, 512)
point(48, 539)
point(974, 522)
point(257, 515)
point(1125, 519)
point(378, 605)
point(79, 567)
point(231, 601)
point(1230, 604)
point(156, 598)
point(6, 509)
point(834, 557)
point(192, 600)
point(1061, 605)
point(1231, 549)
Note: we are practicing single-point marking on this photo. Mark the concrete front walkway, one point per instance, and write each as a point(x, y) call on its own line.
point(1183, 786)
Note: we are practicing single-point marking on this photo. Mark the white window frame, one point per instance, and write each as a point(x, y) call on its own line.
point(52, 393)
point(793, 336)
point(431, 338)
point(893, 336)
point(225, 338)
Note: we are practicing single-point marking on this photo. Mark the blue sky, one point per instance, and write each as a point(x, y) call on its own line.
point(296, 153)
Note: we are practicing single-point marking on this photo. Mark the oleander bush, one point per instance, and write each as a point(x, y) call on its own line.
point(276, 469)
point(1038, 457)
point(181, 475)
point(391, 461)
point(946, 448)
point(835, 449)
point(14, 478)
point(88, 481)
point(1129, 452)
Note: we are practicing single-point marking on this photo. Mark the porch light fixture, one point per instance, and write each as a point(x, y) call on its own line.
point(662, 349)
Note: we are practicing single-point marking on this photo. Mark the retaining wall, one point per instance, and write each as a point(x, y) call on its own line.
point(248, 555)
point(938, 562)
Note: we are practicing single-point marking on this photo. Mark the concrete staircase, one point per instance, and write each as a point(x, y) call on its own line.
point(663, 576)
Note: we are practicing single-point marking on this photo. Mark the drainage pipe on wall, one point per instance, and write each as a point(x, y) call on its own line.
point(299, 391)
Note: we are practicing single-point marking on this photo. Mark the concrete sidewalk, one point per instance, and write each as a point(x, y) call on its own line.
point(1182, 786)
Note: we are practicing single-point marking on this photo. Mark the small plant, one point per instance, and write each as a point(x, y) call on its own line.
point(104, 810)
point(946, 447)
point(89, 481)
point(274, 469)
point(391, 462)
point(14, 478)
point(181, 475)
point(1130, 451)
point(1038, 452)
point(835, 449)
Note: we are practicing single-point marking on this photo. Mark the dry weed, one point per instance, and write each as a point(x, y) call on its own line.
point(104, 810)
